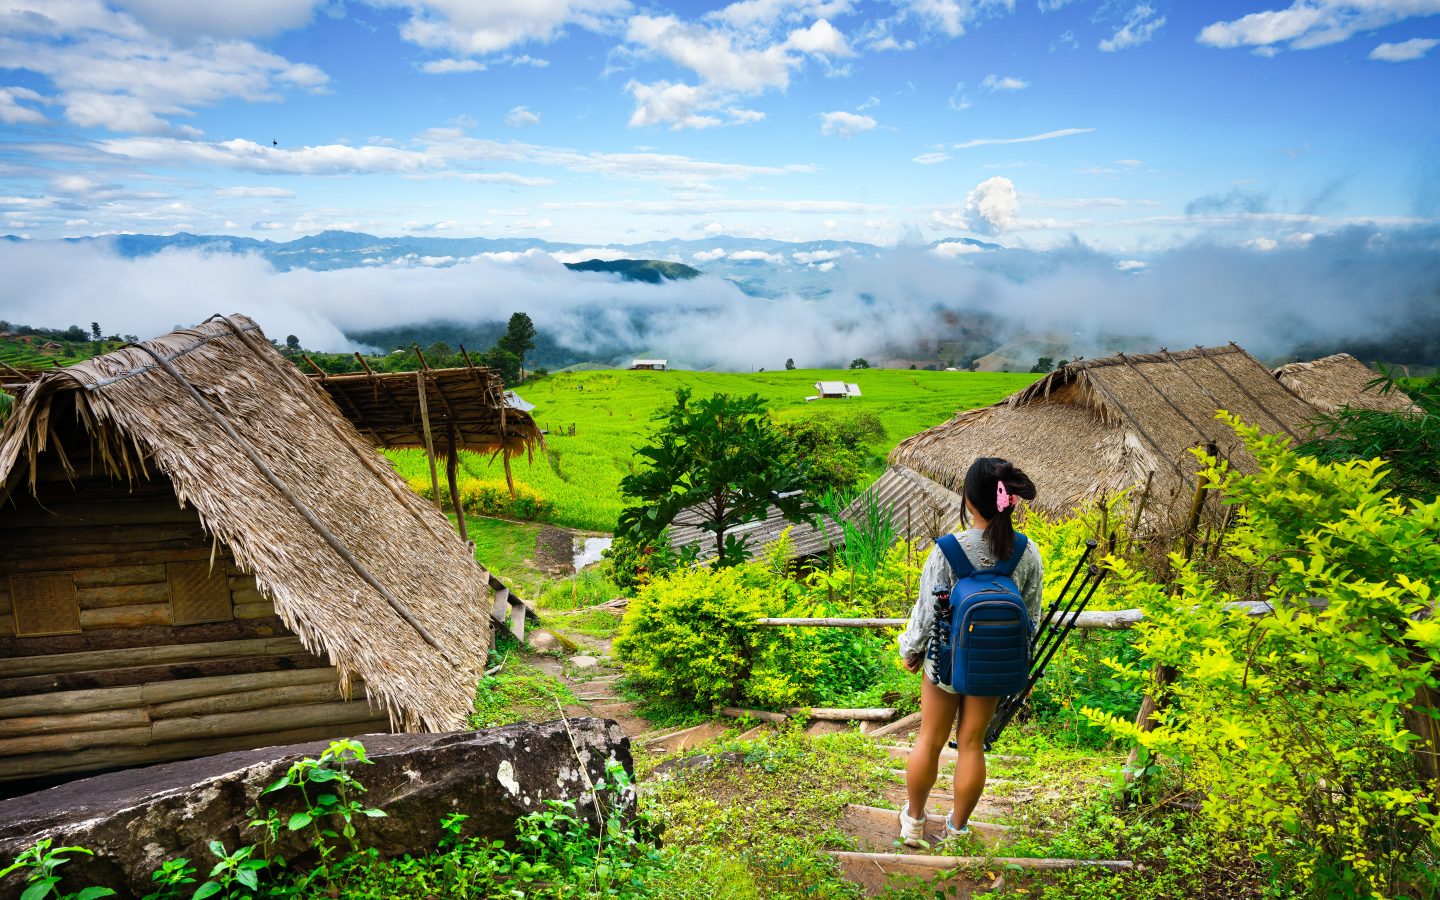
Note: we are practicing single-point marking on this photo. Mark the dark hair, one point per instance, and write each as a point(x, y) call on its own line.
point(980, 489)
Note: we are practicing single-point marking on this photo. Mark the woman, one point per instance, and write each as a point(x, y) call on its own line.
point(992, 487)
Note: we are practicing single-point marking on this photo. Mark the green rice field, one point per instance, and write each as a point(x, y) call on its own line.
point(611, 413)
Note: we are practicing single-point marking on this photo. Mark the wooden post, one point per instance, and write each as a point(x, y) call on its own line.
point(429, 439)
point(452, 462)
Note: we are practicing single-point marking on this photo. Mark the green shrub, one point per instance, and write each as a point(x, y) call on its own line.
point(1296, 726)
point(488, 498)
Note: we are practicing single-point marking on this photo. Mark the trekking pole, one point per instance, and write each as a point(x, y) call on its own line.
point(1046, 623)
point(1094, 575)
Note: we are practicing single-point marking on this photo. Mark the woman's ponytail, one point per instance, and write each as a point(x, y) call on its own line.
point(993, 485)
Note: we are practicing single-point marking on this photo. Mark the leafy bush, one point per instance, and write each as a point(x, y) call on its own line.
point(1296, 726)
point(488, 498)
point(1409, 442)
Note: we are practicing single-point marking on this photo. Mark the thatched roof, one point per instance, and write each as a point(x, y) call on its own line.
point(468, 403)
point(1094, 427)
point(1334, 382)
point(918, 507)
point(142, 419)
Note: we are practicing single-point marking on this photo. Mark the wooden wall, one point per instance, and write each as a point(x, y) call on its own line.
point(155, 656)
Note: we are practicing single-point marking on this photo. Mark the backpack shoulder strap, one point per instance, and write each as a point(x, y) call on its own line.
point(955, 555)
point(1007, 567)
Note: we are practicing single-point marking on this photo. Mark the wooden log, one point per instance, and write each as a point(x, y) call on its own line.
point(145, 656)
point(247, 595)
point(879, 714)
point(75, 701)
point(899, 726)
point(837, 623)
point(277, 700)
point(74, 560)
point(126, 616)
point(116, 575)
point(190, 688)
point(114, 757)
point(98, 720)
point(261, 610)
point(152, 636)
point(100, 536)
point(108, 678)
point(107, 514)
point(254, 721)
point(242, 581)
point(759, 715)
point(108, 596)
point(71, 741)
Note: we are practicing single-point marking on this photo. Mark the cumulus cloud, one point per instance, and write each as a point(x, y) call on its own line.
point(252, 18)
point(710, 255)
point(467, 28)
point(955, 248)
point(994, 83)
point(452, 66)
point(13, 113)
point(1404, 51)
point(845, 124)
point(1307, 24)
point(521, 115)
point(951, 16)
point(990, 208)
point(1141, 24)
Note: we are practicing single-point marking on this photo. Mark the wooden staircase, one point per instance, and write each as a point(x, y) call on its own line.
point(510, 611)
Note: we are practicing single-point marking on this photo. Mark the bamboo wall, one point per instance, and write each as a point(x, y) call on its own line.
point(146, 654)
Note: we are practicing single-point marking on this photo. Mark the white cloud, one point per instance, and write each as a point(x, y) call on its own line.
point(1263, 244)
point(994, 83)
point(764, 13)
point(757, 256)
point(574, 256)
point(1129, 265)
point(713, 54)
point(951, 16)
point(815, 256)
point(186, 19)
point(1140, 26)
point(820, 39)
point(1404, 51)
point(452, 66)
point(1049, 135)
point(12, 113)
point(521, 115)
point(990, 208)
point(844, 124)
point(1308, 24)
point(246, 191)
point(1129, 163)
point(955, 248)
point(930, 159)
point(710, 255)
point(669, 103)
point(705, 207)
point(111, 73)
point(469, 28)
point(958, 100)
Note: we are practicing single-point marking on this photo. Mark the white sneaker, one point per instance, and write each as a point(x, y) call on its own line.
point(952, 832)
point(912, 831)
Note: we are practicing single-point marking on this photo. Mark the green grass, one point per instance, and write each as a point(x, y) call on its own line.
point(612, 413)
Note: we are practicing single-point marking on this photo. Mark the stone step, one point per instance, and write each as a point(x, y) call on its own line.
point(878, 830)
point(873, 871)
point(598, 698)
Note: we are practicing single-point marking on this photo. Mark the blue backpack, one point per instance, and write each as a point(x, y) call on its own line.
point(981, 640)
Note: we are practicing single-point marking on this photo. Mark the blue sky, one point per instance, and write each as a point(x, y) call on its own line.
point(1130, 126)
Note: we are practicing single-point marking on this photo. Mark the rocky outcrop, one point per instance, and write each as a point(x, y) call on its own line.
point(137, 819)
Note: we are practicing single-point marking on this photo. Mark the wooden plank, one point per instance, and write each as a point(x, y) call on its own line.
point(191, 688)
point(107, 576)
point(114, 757)
point(153, 636)
point(108, 556)
point(101, 536)
point(262, 610)
point(253, 721)
point(71, 741)
point(75, 701)
point(145, 656)
point(111, 513)
point(78, 681)
point(277, 700)
point(898, 727)
point(95, 720)
point(247, 595)
point(106, 596)
point(135, 616)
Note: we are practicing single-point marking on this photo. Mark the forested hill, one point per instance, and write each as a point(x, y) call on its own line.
point(649, 270)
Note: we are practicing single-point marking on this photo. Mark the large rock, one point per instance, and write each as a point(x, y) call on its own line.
point(137, 819)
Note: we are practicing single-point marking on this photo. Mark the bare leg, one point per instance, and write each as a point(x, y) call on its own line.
point(975, 716)
point(937, 712)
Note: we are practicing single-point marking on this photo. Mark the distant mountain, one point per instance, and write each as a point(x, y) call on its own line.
point(649, 270)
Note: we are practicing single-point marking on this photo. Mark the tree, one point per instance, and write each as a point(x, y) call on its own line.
point(75, 333)
point(789, 365)
point(292, 344)
point(1043, 365)
point(504, 362)
point(519, 337)
point(95, 331)
point(859, 362)
point(716, 464)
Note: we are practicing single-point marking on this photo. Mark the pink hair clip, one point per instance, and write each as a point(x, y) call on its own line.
point(1003, 500)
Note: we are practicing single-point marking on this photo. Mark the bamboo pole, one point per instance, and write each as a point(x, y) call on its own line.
point(452, 463)
point(429, 439)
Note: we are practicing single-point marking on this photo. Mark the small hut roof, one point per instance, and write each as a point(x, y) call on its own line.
point(139, 417)
point(469, 403)
point(805, 538)
point(1097, 426)
point(1334, 382)
point(918, 508)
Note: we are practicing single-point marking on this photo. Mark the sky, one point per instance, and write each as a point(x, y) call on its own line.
point(1128, 127)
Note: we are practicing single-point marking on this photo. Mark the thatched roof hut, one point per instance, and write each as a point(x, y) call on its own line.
point(1095, 427)
point(190, 520)
point(1334, 382)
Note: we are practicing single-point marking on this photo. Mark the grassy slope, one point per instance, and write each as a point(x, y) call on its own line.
point(612, 412)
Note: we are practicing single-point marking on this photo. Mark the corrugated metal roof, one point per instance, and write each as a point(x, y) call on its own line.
point(918, 507)
point(806, 539)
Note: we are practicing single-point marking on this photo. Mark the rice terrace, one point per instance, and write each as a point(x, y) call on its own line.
point(793, 449)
